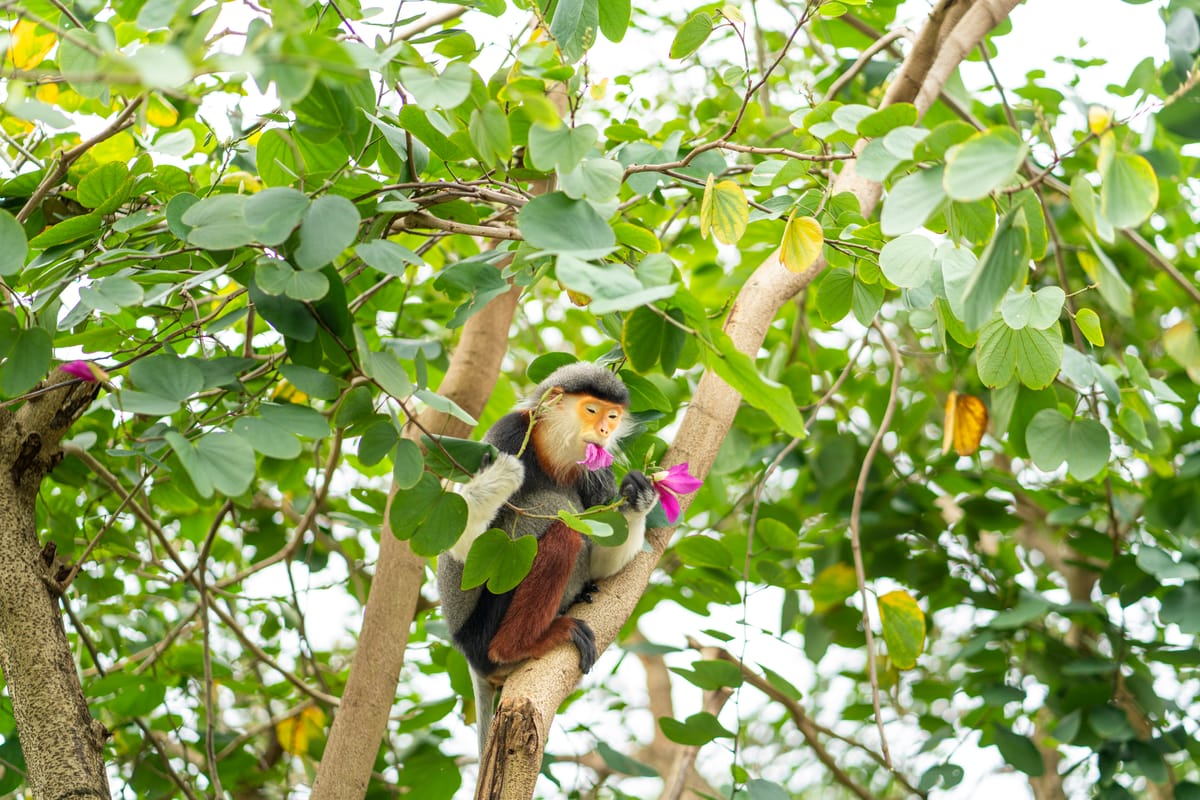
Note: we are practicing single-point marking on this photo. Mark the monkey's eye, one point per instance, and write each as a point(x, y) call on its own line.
point(590, 409)
point(613, 415)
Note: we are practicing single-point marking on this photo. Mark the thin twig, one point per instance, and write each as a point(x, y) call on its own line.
point(881, 43)
point(860, 490)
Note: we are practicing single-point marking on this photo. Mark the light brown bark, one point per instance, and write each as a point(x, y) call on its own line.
point(546, 682)
point(63, 746)
point(370, 691)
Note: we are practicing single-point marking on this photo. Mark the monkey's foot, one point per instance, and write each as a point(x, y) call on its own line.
point(585, 640)
point(586, 593)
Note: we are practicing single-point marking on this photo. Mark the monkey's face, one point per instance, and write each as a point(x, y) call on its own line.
point(598, 419)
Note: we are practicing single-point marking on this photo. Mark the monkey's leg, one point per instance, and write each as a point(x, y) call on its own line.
point(532, 627)
point(638, 493)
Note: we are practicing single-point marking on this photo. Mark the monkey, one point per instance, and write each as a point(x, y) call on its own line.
point(539, 470)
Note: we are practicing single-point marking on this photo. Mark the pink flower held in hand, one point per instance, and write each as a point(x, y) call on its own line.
point(670, 484)
point(596, 457)
point(84, 370)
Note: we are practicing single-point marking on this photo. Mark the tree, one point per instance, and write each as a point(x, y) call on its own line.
point(890, 321)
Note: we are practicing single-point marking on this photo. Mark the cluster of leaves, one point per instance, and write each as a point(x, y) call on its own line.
point(267, 291)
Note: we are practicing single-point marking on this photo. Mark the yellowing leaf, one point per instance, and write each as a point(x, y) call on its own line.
point(47, 93)
point(120, 147)
point(802, 243)
point(966, 422)
point(832, 586)
point(1181, 344)
point(30, 44)
point(706, 206)
point(1089, 325)
point(729, 211)
point(162, 114)
point(903, 625)
point(1099, 119)
point(295, 732)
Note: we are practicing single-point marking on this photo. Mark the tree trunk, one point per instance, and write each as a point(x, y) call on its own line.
point(546, 682)
point(62, 744)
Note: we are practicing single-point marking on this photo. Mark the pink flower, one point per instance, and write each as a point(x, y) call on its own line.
point(670, 484)
point(84, 370)
point(596, 457)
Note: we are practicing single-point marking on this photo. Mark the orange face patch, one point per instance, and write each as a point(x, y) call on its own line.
point(598, 419)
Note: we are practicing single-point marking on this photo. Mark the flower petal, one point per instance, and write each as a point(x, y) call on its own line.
point(670, 503)
point(679, 481)
point(596, 457)
point(80, 369)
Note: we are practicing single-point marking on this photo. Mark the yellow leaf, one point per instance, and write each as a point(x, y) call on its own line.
point(903, 624)
point(966, 422)
point(120, 147)
point(160, 113)
point(1089, 325)
point(1181, 344)
point(832, 586)
point(706, 206)
point(295, 732)
point(1099, 119)
point(802, 243)
point(599, 90)
point(30, 44)
point(47, 93)
point(730, 212)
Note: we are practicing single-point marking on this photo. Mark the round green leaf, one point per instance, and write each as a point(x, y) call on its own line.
point(428, 515)
point(598, 180)
point(614, 18)
point(167, 377)
point(696, 730)
point(274, 213)
point(1018, 751)
point(1039, 355)
point(267, 438)
point(556, 223)
point(903, 624)
point(1039, 309)
point(329, 227)
point(448, 89)
point(908, 261)
point(912, 200)
point(28, 361)
point(387, 256)
point(498, 561)
point(272, 275)
point(377, 441)
point(13, 245)
point(835, 293)
point(100, 185)
point(703, 551)
point(1128, 190)
point(982, 163)
point(559, 148)
point(1052, 439)
point(886, 119)
point(278, 158)
point(407, 464)
point(489, 133)
point(219, 222)
point(1004, 260)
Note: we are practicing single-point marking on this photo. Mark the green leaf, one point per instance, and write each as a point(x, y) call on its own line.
point(649, 341)
point(1128, 190)
point(445, 452)
point(1018, 751)
point(109, 295)
point(219, 222)
point(1108, 279)
point(168, 377)
point(599, 180)
point(557, 224)
point(1034, 355)
point(1039, 309)
point(490, 134)
point(834, 295)
point(574, 27)
point(691, 35)
point(696, 730)
point(1004, 261)
point(712, 675)
point(1083, 200)
point(912, 200)
point(1159, 563)
point(71, 229)
point(447, 89)
point(104, 185)
point(908, 261)
point(428, 515)
point(561, 147)
point(445, 405)
point(408, 464)
point(13, 246)
point(274, 213)
point(986, 161)
point(297, 419)
point(903, 624)
point(614, 759)
point(885, 119)
point(1053, 439)
point(479, 281)
point(329, 227)
point(220, 461)
point(267, 438)
point(1090, 326)
point(377, 441)
point(868, 299)
point(416, 121)
point(739, 371)
point(702, 551)
point(614, 21)
point(832, 585)
point(28, 361)
point(498, 561)
point(387, 256)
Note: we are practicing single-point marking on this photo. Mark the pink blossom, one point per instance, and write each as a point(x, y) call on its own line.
point(596, 457)
point(84, 370)
point(670, 484)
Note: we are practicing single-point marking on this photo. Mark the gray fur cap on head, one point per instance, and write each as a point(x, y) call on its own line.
point(583, 377)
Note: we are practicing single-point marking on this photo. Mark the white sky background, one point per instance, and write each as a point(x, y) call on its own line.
point(1121, 33)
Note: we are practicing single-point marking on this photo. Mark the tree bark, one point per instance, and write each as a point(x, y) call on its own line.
point(546, 682)
point(361, 720)
point(63, 746)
